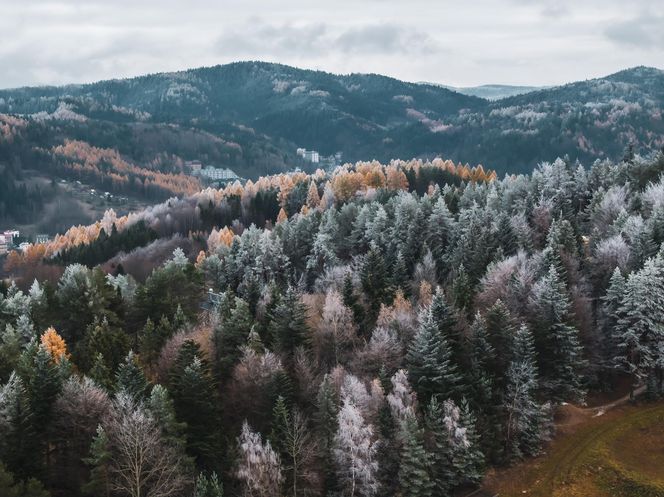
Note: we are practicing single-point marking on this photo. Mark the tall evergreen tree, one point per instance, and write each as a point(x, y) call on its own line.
point(130, 378)
point(430, 370)
point(414, 477)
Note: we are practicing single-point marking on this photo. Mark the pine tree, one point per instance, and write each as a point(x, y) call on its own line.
point(130, 379)
point(288, 323)
point(387, 453)
point(557, 341)
point(437, 443)
point(439, 234)
point(471, 460)
point(414, 478)
point(162, 408)
point(100, 373)
point(462, 289)
point(375, 285)
point(98, 484)
point(609, 318)
point(208, 486)
point(639, 334)
point(430, 369)
point(233, 335)
point(196, 404)
point(525, 424)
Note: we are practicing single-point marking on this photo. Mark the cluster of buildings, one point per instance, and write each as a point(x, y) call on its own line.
point(10, 240)
point(313, 157)
point(211, 174)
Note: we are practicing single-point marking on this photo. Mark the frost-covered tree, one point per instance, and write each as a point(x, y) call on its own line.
point(526, 423)
point(431, 371)
point(354, 453)
point(258, 466)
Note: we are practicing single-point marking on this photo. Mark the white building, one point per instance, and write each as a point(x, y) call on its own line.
point(308, 155)
point(218, 174)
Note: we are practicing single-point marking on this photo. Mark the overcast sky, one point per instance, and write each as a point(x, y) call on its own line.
point(462, 43)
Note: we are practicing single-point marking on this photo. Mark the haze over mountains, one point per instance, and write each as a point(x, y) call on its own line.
point(252, 115)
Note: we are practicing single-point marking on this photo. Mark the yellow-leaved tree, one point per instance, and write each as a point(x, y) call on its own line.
point(54, 344)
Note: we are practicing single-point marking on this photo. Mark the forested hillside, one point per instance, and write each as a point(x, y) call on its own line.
point(263, 107)
point(377, 330)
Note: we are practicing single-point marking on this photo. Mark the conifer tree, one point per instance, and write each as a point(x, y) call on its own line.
point(414, 478)
point(130, 379)
point(100, 373)
point(430, 369)
point(437, 443)
point(560, 352)
point(196, 405)
point(439, 234)
point(525, 423)
point(288, 323)
point(98, 484)
point(470, 460)
point(208, 486)
point(232, 336)
point(375, 285)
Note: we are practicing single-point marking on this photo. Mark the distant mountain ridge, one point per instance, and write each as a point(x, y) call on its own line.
point(492, 92)
point(266, 110)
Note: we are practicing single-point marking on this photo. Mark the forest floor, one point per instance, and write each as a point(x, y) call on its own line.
point(612, 450)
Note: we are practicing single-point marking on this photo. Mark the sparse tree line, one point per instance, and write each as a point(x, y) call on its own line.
point(377, 344)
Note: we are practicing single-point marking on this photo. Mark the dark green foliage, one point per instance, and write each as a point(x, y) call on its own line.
point(230, 335)
point(376, 287)
point(431, 371)
point(101, 374)
point(9, 487)
point(130, 378)
point(106, 246)
point(208, 486)
point(98, 485)
point(288, 323)
point(414, 470)
point(197, 405)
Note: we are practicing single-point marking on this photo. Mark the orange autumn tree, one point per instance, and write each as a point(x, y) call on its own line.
point(54, 344)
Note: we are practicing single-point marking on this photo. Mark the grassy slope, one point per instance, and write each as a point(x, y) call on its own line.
point(619, 454)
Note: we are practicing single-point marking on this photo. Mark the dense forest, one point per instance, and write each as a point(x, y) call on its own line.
point(378, 330)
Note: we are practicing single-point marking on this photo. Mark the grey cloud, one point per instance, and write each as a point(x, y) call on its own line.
point(645, 32)
point(385, 38)
point(310, 40)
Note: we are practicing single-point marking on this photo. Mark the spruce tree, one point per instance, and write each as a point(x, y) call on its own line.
point(288, 324)
point(130, 379)
point(196, 405)
point(375, 285)
point(559, 350)
point(414, 478)
point(439, 448)
point(430, 369)
point(101, 374)
point(98, 484)
point(525, 421)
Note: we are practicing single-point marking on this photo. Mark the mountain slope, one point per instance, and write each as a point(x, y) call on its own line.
point(370, 116)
